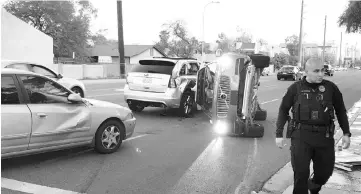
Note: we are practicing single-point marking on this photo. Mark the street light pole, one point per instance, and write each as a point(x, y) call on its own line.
point(324, 41)
point(300, 38)
point(204, 9)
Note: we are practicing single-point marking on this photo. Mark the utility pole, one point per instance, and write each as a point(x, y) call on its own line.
point(120, 39)
point(340, 60)
point(324, 42)
point(300, 38)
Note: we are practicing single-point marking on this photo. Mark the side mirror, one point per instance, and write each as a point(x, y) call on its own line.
point(74, 98)
point(60, 76)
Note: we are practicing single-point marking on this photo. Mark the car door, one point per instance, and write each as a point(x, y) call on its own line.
point(15, 117)
point(56, 121)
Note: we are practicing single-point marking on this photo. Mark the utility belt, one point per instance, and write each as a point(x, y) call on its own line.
point(329, 130)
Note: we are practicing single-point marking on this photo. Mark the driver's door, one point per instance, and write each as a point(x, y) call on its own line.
point(55, 120)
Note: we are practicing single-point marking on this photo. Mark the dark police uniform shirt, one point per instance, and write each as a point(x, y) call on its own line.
point(289, 99)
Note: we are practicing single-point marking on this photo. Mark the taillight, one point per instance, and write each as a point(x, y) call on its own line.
point(172, 83)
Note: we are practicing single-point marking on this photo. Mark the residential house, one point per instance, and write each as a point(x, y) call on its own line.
point(132, 53)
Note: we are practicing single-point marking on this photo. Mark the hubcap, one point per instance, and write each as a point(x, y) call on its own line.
point(111, 137)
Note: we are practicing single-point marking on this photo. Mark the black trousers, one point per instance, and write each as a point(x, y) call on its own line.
point(307, 146)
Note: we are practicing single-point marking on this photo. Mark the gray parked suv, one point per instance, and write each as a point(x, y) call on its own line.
point(162, 82)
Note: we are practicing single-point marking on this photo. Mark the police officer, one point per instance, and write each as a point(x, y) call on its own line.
point(314, 102)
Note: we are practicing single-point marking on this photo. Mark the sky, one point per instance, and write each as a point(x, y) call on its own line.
point(266, 19)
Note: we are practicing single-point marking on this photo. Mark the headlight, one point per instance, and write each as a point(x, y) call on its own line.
point(129, 116)
point(220, 127)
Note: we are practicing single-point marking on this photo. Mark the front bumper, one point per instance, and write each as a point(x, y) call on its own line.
point(170, 99)
point(285, 75)
point(129, 127)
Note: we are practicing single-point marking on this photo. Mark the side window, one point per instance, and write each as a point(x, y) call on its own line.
point(9, 92)
point(24, 67)
point(193, 69)
point(183, 70)
point(43, 71)
point(44, 91)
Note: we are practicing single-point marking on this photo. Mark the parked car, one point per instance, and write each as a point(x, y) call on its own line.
point(162, 82)
point(289, 71)
point(329, 70)
point(40, 115)
point(72, 84)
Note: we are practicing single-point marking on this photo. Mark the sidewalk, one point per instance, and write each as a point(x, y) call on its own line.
point(341, 182)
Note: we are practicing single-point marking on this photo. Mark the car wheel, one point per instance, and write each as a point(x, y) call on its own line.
point(186, 105)
point(278, 78)
point(136, 107)
point(78, 90)
point(109, 137)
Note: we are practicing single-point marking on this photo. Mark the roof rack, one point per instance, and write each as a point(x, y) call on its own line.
point(174, 58)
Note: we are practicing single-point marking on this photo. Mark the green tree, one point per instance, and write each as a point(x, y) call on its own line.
point(292, 45)
point(280, 59)
point(330, 58)
point(176, 40)
point(67, 22)
point(224, 43)
point(351, 17)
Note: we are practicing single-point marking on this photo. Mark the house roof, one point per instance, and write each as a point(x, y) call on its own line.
point(112, 50)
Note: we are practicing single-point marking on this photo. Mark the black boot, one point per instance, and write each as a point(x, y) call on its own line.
point(313, 187)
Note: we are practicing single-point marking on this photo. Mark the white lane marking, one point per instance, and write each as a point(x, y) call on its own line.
point(356, 123)
point(359, 117)
point(355, 127)
point(113, 94)
point(119, 90)
point(246, 177)
point(268, 86)
point(31, 188)
point(269, 101)
point(135, 137)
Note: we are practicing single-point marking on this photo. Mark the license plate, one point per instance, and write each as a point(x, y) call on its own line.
point(284, 73)
point(147, 80)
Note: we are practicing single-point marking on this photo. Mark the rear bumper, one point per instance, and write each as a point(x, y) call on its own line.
point(170, 99)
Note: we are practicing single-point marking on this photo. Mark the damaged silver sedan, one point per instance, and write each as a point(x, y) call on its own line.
point(40, 115)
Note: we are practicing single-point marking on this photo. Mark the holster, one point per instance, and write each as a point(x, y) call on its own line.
point(291, 126)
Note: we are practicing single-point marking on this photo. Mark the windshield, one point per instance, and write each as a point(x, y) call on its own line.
point(287, 69)
point(153, 66)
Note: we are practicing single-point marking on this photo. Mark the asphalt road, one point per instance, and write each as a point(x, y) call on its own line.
point(169, 154)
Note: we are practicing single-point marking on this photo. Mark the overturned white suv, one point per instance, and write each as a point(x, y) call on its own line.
point(162, 82)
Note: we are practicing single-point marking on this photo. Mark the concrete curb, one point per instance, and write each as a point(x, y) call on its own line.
point(283, 179)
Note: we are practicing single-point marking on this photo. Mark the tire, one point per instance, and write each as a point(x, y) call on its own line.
point(78, 90)
point(252, 131)
point(278, 78)
point(255, 131)
point(186, 106)
point(261, 115)
point(136, 107)
point(116, 138)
